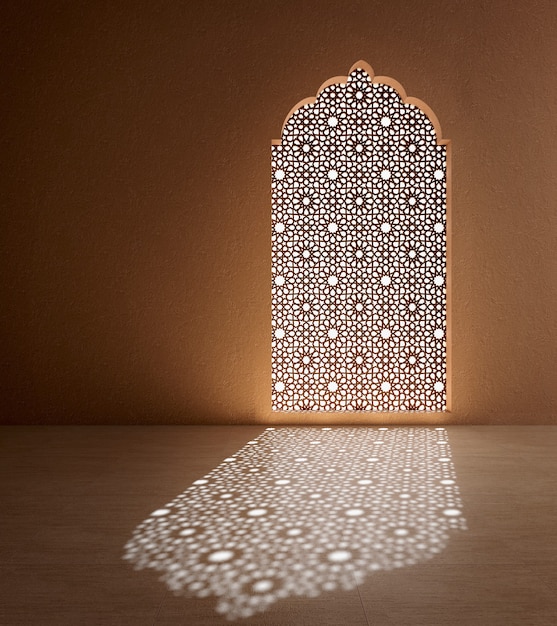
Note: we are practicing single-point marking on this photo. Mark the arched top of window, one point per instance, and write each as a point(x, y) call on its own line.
point(361, 79)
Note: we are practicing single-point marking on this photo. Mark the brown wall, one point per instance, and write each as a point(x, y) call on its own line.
point(136, 207)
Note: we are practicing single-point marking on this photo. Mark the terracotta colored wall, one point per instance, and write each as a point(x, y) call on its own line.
point(135, 212)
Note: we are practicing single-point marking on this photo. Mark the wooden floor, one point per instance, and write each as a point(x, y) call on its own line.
point(73, 497)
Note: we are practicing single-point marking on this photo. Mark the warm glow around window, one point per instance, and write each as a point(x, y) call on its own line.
point(359, 298)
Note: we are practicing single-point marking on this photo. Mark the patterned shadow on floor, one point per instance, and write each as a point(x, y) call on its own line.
point(300, 511)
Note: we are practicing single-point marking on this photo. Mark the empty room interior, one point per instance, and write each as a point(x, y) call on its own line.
point(279, 313)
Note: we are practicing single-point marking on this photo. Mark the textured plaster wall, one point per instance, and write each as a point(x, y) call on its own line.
point(136, 203)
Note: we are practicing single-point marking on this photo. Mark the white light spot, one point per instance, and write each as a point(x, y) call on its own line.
point(385, 387)
point(385, 333)
point(359, 201)
point(257, 512)
point(332, 227)
point(221, 556)
point(332, 386)
point(401, 532)
point(279, 174)
point(339, 556)
point(439, 174)
point(333, 174)
point(359, 306)
point(262, 586)
point(359, 147)
point(447, 481)
point(306, 360)
point(279, 386)
point(333, 122)
point(332, 333)
point(438, 334)
point(385, 281)
point(201, 481)
point(412, 306)
point(439, 386)
point(385, 227)
point(279, 228)
point(438, 280)
point(438, 228)
point(386, 121)
point(451, 512)
point(412, 148)
point(306, 201)
point(354, 512)
point(186, 532)
point(359, 254)
point(306, 147)
point(306, 254)
point(359, 95)
point(412, 201)
point(359, 360)
point(412, 254)
point(306, 306)
point(332, 280)
point(412, 360)
point(160, 512)
point(279, 280)
point(279, 333)
point(294, 532)
point(364, 481)
point(385, 174)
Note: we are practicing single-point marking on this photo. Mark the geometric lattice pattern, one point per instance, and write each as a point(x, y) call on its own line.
point(304, 511)
point(359, 203)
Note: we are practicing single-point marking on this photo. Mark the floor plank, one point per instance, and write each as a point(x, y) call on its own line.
point(73, 496)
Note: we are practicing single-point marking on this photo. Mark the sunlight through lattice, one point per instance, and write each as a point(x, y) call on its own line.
point(359, 198)
point(304, 511)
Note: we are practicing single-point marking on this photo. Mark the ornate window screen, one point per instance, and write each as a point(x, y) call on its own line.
point(359, 214)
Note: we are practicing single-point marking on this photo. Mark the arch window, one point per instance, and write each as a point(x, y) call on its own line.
point(359, 251)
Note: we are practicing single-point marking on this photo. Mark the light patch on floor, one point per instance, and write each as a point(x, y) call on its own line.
point(301, 511)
